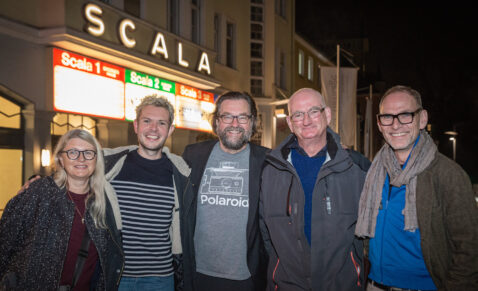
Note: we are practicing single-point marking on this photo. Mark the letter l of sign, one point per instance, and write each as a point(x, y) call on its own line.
point(180, 56)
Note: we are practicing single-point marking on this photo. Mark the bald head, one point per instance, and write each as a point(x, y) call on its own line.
point(306, 92)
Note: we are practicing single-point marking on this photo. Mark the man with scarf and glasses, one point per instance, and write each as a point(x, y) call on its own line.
point(417, 206)
point(223, 249)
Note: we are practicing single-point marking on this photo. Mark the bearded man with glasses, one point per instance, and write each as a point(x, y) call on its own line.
point(417, 206)
point(223, 248)
point(309, 200)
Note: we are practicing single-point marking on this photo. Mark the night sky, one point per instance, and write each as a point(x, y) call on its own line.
point(432, 48)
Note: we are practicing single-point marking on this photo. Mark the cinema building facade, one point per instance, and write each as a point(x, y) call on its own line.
point(86, 64)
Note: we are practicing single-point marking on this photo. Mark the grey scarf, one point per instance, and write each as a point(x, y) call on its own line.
point(386, 162)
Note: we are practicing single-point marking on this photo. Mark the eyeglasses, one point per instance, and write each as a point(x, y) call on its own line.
point(313, 112)
point(74, 154)
point(228, 118)
point(403, 118)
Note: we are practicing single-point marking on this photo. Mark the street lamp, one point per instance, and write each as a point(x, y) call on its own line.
point(453, 135)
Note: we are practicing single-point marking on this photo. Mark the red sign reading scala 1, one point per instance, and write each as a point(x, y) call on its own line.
point(87, 86)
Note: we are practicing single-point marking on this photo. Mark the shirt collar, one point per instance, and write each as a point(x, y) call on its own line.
point(295, 145)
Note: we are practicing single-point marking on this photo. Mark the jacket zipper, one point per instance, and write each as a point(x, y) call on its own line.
point(122, 265)
point(276, 286)
point(357, 268)
point(328, 205)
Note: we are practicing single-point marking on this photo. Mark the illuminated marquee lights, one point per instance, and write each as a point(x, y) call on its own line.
point(92, 87)
point(139, 85)
point(96, 27)
point(87, 86)
point(193, 108)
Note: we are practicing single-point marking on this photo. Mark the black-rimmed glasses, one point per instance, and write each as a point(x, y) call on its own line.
point(74, 154)
point(228, 118)
point(313, 112)
point(403, 118)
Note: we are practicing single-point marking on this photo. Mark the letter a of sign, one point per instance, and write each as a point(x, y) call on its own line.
point(204, 64)
point(159, 46)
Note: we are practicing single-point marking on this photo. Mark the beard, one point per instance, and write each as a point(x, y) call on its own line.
point(234, 144)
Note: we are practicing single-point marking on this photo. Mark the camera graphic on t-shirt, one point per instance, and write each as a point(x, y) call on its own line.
point(223, 180)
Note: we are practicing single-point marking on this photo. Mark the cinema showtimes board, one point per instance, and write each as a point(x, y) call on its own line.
point(84, 85)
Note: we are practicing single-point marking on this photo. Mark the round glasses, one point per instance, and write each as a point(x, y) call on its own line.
point(74, 154)
point(313, 112)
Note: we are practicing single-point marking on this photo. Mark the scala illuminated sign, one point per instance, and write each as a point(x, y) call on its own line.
point(126, 28)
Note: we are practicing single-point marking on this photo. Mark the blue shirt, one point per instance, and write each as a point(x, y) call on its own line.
point(395, 254)
point(307, 168)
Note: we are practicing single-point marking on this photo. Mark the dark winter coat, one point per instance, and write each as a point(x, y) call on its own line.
point(334, 260)
point(196, 156)
point(34, 233)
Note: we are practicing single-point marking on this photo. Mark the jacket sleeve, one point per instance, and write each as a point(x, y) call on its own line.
point(263, 228)
point(461, 222)
point(360, 160)
point(187, 155)
point(13, 229)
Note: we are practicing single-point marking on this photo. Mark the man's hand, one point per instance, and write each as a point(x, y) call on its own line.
point(27, 183)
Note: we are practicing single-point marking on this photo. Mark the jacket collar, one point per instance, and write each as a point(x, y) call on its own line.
point(337, 159)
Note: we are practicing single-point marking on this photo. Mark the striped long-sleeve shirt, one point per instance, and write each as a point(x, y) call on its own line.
point(146, 198)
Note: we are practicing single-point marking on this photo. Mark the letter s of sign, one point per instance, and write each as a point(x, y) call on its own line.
point(92, 11)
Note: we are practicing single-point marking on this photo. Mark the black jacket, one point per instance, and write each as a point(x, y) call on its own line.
point(196, 156)
point(334, 259)
point(34, 233)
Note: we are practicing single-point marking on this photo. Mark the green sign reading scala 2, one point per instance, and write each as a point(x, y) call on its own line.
point(148, 81)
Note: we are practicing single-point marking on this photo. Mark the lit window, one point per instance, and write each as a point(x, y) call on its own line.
point(310, 68)
point(301, 63)
point(10, 114)
point(63, 122)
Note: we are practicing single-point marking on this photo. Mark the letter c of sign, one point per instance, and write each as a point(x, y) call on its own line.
point(127, 42)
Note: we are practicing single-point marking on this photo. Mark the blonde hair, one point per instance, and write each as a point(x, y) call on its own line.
point(97, 181)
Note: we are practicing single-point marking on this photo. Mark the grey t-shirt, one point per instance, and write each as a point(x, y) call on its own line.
point(222, 212)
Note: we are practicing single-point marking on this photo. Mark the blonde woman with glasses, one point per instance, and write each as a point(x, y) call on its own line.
point(62, 233)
